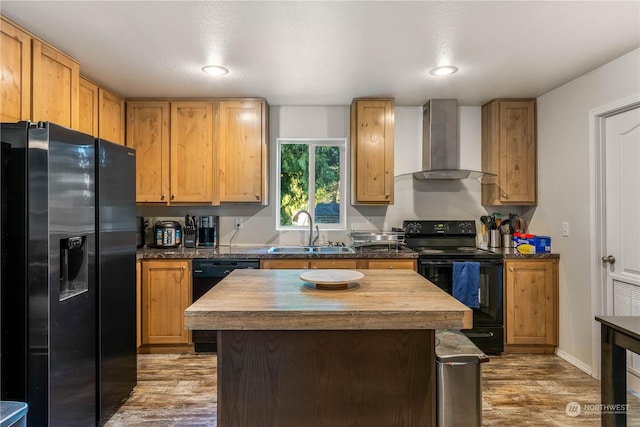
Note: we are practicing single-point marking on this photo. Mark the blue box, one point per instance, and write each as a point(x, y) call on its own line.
point(532, 244)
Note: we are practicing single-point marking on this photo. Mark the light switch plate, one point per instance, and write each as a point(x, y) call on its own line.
point(565, 229)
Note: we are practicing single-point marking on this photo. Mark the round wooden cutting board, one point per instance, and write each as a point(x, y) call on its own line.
point(331, 279)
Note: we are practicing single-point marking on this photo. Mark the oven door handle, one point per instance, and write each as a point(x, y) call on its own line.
point(479, 334)
point(449, 263)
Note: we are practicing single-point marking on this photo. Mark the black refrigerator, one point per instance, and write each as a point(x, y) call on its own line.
point(48, 345)
point(68, 285)
point(116, 278)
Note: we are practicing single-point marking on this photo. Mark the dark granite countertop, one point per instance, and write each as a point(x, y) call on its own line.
point(512, 253)
point(260, 252)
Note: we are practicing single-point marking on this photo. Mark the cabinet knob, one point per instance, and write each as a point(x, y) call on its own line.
point(386, 195)
point(510, 268)
point(391, 267)
point(505, 195)
point(257, 196)
point(162, 196)
point(173, 196)
point(183, 268)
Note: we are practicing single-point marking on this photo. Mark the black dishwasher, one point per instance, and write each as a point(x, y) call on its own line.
point(206, 274)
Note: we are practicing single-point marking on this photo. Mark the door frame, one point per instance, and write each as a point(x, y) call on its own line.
point(601, 301)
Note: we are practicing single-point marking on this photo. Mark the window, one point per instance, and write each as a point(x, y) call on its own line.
point(312, 176)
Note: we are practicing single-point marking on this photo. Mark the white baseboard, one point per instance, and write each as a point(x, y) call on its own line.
point(575, 362)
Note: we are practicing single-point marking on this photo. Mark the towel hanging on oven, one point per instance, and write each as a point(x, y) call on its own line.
point(466, 283)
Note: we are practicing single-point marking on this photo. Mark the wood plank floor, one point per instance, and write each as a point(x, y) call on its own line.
point(518, 390)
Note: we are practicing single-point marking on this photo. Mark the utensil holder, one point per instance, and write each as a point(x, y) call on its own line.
point(507, 240)
point(494, 238)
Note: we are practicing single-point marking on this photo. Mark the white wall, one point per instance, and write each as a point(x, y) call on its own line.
point(564, 192)
point(413, 199)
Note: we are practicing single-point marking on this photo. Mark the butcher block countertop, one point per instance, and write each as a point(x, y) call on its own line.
point(280, 300)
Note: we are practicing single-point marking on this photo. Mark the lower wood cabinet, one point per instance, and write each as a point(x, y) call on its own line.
point(165, 295)
point(531, 305)
point(352, 263)
point(389, 264)
point(306, 263)
point(138, 304)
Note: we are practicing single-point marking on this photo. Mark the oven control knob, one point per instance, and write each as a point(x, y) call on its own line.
point(413, 227)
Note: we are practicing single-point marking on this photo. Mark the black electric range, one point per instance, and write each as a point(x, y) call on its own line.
point(440, 244)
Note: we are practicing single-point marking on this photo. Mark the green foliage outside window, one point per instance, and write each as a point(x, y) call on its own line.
point(294, 182)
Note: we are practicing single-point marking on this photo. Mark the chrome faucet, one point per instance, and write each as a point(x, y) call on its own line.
point(312, 241)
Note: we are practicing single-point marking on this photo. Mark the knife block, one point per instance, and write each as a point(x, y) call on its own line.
point(189, 237)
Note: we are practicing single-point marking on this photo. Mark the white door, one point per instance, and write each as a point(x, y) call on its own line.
point(622, 257)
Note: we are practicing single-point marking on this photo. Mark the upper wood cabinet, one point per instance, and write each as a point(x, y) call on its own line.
point(148, 133)
point(509, 151)
point(372, 134)
point(531, 305)
point(175, 150)
point(101, 112)
point(192, 151)
point(110, 116)
point(88, 101)
point(242, 138)
point(15, 69)
point(55, 86)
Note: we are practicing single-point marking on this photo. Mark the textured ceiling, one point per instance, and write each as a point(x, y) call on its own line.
point(328, 52)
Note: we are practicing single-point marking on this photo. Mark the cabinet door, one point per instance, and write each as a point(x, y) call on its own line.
point(531, 292)
point(166, 293)
point(243, 151)
point(284, 263)
point(15, 69)
point(138, 303)
point(334, 263)
point(509, 151)
point(406, 264)
point(148, 133)
point(111, 116)
point(192, 151)
point(372, 128)
point(518, 152)
point(55, 83)
point(88, 114)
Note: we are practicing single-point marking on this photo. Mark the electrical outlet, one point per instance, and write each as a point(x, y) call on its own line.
point(238, 223)
point(565, 229)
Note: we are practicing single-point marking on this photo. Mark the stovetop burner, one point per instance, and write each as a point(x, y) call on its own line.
point(444, 240)
point(431, 251)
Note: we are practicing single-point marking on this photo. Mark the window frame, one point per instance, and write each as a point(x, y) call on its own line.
point(341, 143)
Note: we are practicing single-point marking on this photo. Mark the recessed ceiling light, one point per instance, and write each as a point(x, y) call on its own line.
point(443, 71)
point(215, 70)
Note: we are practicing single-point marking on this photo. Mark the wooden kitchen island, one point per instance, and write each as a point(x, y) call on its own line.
point(293, 355)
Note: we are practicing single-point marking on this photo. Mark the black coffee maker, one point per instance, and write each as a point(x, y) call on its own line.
point(207, 231)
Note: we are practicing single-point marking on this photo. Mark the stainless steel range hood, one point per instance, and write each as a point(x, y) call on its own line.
point(440, 148)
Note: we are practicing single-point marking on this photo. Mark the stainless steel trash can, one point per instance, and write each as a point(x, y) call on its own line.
point(13, 414)
point(458, 380)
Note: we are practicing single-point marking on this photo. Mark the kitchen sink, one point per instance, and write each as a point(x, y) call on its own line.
point(310, 250)
point(331, 250)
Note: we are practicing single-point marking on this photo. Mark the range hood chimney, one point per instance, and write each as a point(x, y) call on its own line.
point(440, 148)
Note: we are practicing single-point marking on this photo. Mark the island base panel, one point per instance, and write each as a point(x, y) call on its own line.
point(326, 378)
